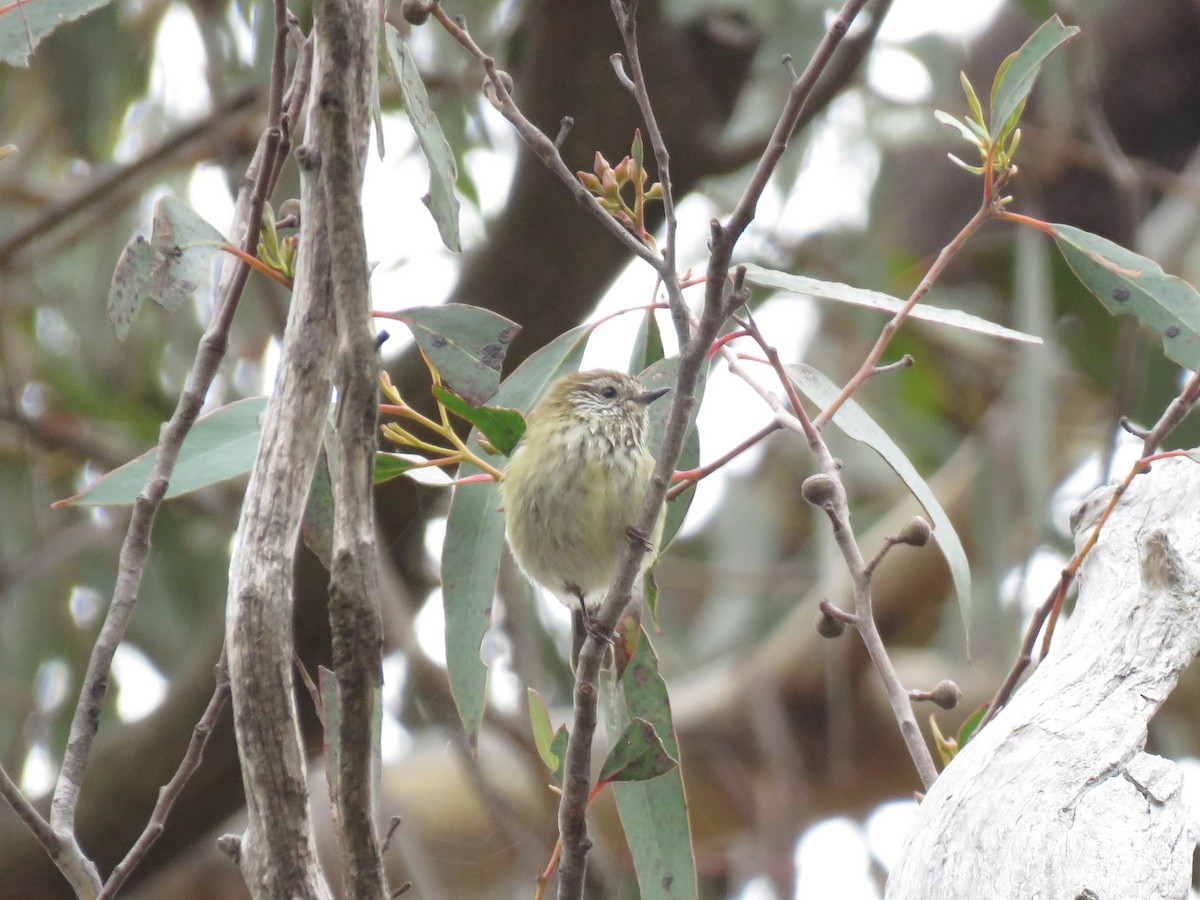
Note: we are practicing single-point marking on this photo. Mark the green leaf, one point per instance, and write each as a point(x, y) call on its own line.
point(558, 749)
point(637, 755)
point(650, 589)
point(854, 422)
point(316, 528)
point(501, 426)
point(660, 375)
point(24, 25)
point(543, 731)
point(972, 97)
point(967, 731)
point(466, 344)
point(653, 813)
point(392, 465)
point(475, 536)
point(844, 293)
point(647, 343)
point(1018, 72)
point(168, 269)
point(1126, 282)
point(441, 200)
point(220, 445)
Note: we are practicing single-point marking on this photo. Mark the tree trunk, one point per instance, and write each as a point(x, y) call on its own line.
point(1056, 798)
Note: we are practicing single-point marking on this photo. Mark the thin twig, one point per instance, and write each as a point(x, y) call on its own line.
point(172, 789)
point(537, 140)
point(870, 365)
point(838, 510)
point(1053, 604)
point(1175, 413)
point(624, 13)
point(691, 477)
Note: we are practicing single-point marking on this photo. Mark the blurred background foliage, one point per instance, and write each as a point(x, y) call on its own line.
point(781, 733)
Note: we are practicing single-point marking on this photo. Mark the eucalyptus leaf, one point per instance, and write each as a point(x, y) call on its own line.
point(844, 293)
point(1020, 70)
point(1128, 283)
point(475, 535)
point(220, 445)
point(166, 269)
point(654, 813)
point(465, 344)
point(637, 755)
point(502, 427)
point(443, 172)
point(23, 25)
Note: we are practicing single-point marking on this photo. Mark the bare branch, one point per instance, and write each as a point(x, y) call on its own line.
point(537, 140)
point(346, 31)
point(172, 789)
point(135, 549)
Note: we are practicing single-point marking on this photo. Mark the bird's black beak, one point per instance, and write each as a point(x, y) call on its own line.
point(650, 396)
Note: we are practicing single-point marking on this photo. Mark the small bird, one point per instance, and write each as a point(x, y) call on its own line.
point(574, 488)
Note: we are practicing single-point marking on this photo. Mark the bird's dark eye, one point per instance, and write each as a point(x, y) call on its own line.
point(608, 392)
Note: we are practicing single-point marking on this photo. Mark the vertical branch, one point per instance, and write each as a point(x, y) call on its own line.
point(277, 850)
point(135, 549)
point(346, 32)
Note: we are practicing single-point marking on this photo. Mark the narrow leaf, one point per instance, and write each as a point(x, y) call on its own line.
point(558, 750)
point(221, 445)
point(967, 730)
point(1015, 79)
point(470, 561)
point(466, 344)
point(647, 343)
point(637, 755)
point(393, 465)
point(316, 528)
point(502, 427)
point(441, 199)
point(543, 731)
point(854, 422)
point(653, 813)
point(327, 687)
point(844, 293)
point(475, 536)
point(660, 375)
point(1126, 282)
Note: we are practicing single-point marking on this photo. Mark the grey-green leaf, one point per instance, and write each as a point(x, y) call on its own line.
point(221, 445)
point(1015, 79)
point(441, 199)
point(475, 536)
point(637, 755)
point(166, 269)
point(654, 813)
point(856, 424)
point(1128, 283)
point(659, 375)
point(24, 25)
point(844, 293)
point(466, 344)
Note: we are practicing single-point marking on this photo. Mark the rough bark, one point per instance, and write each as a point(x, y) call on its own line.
point(1057, 798)
point(278, 856)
